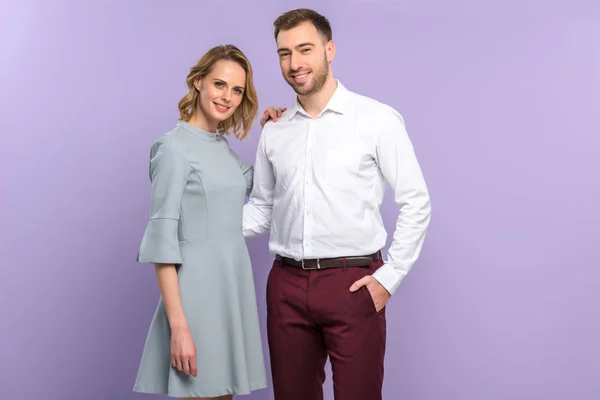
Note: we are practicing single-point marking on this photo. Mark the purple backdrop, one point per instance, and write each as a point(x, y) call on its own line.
point(501, 102)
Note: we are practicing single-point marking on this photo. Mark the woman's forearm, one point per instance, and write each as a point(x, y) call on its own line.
point(169, 288)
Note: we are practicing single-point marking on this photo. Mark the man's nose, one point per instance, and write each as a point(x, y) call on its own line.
point(294, 61)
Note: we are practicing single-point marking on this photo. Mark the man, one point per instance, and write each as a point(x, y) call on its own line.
point(319, 180)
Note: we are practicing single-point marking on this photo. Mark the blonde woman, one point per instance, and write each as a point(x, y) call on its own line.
point(204, 341)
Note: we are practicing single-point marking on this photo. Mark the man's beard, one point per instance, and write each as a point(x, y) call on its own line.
point(318, 81)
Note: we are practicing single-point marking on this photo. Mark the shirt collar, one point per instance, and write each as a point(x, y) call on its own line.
point(337, 103)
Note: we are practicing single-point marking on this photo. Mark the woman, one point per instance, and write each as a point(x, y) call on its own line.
point(204, 340)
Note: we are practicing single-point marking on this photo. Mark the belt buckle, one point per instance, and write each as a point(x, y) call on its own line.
point(311, 269)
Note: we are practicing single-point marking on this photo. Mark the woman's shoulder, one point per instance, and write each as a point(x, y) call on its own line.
point(177, 139)
point(169, 141)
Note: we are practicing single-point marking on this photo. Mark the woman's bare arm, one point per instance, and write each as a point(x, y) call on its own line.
point(183, 349)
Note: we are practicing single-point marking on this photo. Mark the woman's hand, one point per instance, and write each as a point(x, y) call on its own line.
point(271, 113)
point(183, 351)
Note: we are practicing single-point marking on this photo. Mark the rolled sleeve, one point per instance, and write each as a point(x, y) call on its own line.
point(169, 172)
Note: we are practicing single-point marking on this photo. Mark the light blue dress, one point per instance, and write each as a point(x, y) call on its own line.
point(198, 191)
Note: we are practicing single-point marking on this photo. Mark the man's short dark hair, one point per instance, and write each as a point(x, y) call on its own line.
point(293, 18)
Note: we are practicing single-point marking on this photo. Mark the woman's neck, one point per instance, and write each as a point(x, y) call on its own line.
point(199, 120)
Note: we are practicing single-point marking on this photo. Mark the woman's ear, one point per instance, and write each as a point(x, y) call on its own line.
point(197, 84)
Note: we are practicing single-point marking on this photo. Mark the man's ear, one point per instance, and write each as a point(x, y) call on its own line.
point(330, 50)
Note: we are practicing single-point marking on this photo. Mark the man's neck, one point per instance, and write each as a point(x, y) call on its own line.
point(315, 103)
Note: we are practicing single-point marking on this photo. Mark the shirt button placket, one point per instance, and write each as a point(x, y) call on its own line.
point(308, 221)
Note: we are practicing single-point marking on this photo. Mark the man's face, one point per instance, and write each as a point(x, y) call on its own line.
point(304, 58)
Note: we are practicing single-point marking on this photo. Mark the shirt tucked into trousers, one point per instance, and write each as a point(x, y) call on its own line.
point(318, 186)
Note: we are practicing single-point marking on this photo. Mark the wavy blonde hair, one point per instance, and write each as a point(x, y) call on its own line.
point(240, 122)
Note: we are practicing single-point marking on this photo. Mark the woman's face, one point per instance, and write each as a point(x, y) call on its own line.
point(220, 92)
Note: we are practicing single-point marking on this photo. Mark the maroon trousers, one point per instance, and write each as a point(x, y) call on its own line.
point(312, 315)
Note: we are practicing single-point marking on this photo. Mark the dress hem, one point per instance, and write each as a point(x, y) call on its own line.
point(211, 393)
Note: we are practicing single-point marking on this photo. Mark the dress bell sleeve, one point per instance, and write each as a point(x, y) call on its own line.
point(169, 172)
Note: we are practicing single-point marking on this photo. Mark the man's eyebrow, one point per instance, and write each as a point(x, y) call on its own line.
point(279, 50)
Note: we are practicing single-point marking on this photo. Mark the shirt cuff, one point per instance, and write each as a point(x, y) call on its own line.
point(389, 277)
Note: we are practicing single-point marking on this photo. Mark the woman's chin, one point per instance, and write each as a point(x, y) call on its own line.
point(220, 117)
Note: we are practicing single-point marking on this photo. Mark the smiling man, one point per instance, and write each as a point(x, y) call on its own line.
point(319, 181)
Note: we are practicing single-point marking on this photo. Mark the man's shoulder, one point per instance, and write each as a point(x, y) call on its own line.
point(282, 123)
point(373, 108)
point(369, 103)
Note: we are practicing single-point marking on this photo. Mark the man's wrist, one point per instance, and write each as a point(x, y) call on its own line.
point(388, 277)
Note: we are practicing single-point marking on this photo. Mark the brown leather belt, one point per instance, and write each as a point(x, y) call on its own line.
point(326, 263)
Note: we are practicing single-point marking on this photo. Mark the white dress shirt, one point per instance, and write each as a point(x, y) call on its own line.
point(319, 183)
